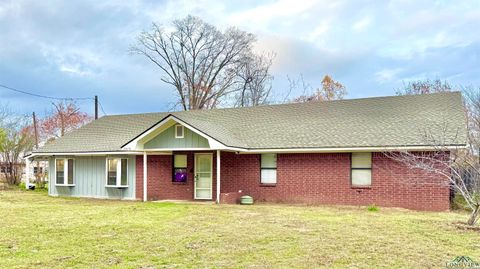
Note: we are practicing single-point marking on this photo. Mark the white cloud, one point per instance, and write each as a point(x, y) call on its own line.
point(318, 32)
point(387, 75)
point(75, 70)
point(362, 24)
point(274, 12)
point(74, 61)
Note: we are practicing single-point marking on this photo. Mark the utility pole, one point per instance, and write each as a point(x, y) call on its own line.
point(35, 129)
point(27, 164)
point(96, 107)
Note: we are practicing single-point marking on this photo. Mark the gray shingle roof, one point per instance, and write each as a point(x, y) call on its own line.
point(368, 122)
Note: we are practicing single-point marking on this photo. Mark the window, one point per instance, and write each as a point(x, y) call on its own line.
point(64, 172)
point(179, 131)
point(179, 168)
point(37, 170)
point(6, 169)
point(362, 169)
point(117, 173)
point(268, 166)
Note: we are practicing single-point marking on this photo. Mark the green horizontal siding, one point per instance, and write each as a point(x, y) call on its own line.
point(90, 179)
point(167, 139)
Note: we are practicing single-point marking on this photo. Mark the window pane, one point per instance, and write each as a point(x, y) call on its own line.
point(123, 179)
point(203, 193)
point(70, 171)
point(361, 177)
point(180, 161)
point(204, 163)
point(179, 131)
point(362, 160)
point(269, 176)
point(112, 172)
point(180, 175)
point(204, 180)
point(269, 161)
point(60, 167)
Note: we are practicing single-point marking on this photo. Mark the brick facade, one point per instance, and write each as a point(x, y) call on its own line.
point(315, 178)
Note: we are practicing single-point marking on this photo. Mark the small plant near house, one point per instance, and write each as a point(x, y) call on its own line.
point(459, 203)
point(372, 208)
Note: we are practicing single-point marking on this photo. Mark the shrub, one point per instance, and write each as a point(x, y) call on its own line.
point(459, 203)
point(372, 208)
point(22, 185)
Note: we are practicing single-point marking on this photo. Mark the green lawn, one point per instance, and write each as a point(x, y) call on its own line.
point(37, 231)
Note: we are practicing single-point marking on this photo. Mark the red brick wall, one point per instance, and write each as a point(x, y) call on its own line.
point(325, 179)
point(302, 178)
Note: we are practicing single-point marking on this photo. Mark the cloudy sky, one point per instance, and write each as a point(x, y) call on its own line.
point(80, 48)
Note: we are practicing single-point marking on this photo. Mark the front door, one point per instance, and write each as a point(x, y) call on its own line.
point(203, 176)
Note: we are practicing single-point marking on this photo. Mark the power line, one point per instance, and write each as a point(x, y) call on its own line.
point(101, 107)
point(44, 96)
point(51, 97)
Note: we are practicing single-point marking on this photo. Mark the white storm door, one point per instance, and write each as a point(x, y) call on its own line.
point(203, 176)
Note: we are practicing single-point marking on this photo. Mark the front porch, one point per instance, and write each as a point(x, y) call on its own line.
point(179, 175)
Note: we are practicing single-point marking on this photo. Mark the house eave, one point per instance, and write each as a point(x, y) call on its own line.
point(352, 149)
point(168, 151)
point(82, 153)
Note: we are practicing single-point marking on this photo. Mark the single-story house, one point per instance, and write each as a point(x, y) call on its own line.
point(328, 152)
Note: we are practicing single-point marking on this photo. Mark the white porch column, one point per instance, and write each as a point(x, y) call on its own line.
point(144, 176)
point(27, 172)
point(218, 176)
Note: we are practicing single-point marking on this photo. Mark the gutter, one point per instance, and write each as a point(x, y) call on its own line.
point(167, 151)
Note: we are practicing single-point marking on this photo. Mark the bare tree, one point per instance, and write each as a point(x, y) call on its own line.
point(455, 166)
point(196, 58)
point(424, 87)
point(447, 167)
point(254, 80)
point(330, 90)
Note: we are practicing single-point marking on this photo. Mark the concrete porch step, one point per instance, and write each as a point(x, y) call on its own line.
point(185, 202)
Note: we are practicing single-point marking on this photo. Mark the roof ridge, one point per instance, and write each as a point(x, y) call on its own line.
point(291, 104)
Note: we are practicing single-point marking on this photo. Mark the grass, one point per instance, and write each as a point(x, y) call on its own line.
point(37, 231)
point(372, 208)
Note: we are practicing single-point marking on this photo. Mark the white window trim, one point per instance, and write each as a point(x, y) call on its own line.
point(183, 131)
point(119, 173)
point(358, 168)
point(65, 172)
point(268, 168)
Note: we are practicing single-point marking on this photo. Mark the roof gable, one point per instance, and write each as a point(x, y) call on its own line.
point(167, 139)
